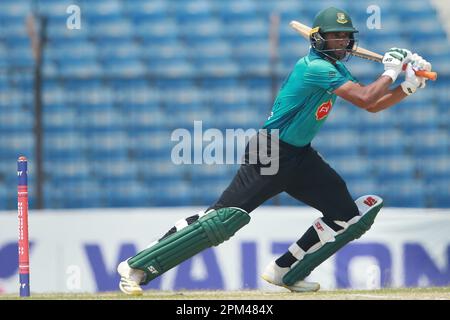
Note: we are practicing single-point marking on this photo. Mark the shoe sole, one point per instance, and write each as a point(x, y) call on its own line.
point(130, 293)
point(291, 288)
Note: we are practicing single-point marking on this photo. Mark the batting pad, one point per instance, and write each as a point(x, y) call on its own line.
point(368, 207)
point(210, 230)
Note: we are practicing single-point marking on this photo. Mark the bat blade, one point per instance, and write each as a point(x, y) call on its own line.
point(367, 54)
point(359, 52)
point(304, 31)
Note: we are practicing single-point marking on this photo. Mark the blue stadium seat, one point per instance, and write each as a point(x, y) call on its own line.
point(95, 118)
point(393, 168)
point(181, 98)
point(53, 94)
point(290, 53)
point(242, 118)
point(161, 167)
point(19, 53)
point(58, 119)
point(206, 194)
point(15, 121)
point(432, 47)
point(208, 28)
point(407, 193)
point(13, 144)
point(60, 49)
point(259, 94)
point(236, 10)
point(172, 68)
point(51, 8)
point(187, 117)
point(430, 143)
point(112, 170)
point(4, 86)
point(126, 67)
point(13, 9)
point(83, 194)
point(3, 57)
point(191, 11)
point(434, 167)
point(68, 169)
point(126, 194)
point(211, 48)
point(83, 91)
point(414, 10)
point(144, 119)
point(80, 68)
point(439, 61)
point(107, 145)
point(210, 171)
point(384, 142)
point(145, 10)
point(129, 93)
point(418, 117)
point(113, 27)
point(337, 143)
point(267, 7)
point(438, 192)
point(172, 193)
point(362, 186)
point(171, 50)
point(117, 52)
point(368, 122)
point(146, 145)
point(351, 167)
point(163, 31)
point(102, 9)
point(255, 29)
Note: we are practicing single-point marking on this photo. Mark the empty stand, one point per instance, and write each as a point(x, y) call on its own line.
point(115, 90)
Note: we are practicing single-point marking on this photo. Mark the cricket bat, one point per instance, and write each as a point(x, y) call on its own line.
point(360, 52)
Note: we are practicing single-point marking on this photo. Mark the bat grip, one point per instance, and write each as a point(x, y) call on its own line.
point(425, 74)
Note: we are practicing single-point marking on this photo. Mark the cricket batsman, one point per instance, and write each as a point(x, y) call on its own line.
point(300, 109)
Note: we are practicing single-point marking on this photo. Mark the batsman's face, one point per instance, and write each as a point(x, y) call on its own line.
point(339, 42)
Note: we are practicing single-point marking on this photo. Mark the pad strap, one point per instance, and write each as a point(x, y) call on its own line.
point(325, 233)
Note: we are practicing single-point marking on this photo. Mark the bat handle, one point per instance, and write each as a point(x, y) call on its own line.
point(425, 74)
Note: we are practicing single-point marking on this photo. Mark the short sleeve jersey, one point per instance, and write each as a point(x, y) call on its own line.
point(306, 98)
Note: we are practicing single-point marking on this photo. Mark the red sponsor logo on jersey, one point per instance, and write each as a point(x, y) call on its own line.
point(319, 226)
point(370, 201)
point(323, 110)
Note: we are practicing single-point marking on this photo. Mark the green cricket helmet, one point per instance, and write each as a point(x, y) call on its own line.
point(331, 20)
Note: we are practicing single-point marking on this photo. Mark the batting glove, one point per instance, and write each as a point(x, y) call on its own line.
point(412, 82)
point(393, 61)
point(419, 63)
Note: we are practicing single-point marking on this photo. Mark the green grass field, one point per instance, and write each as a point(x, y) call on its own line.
point(440, 293)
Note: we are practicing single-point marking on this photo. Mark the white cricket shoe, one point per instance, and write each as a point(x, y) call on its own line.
point(130, 279)
point(274, 275)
